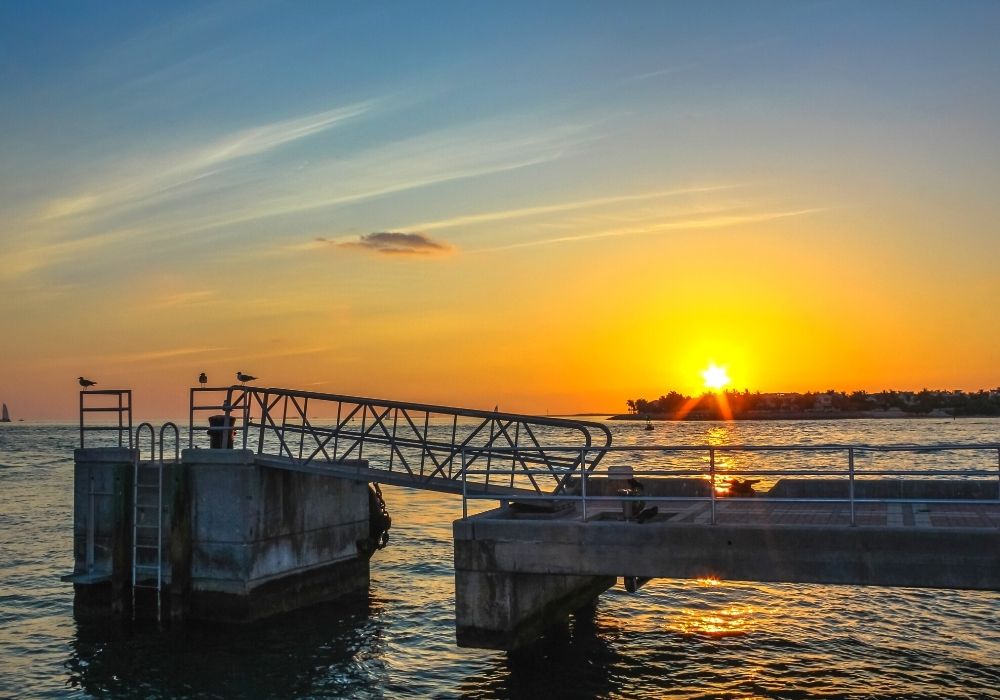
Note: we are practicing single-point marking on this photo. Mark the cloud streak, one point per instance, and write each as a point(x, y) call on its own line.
point(138, 357)
point(150, 181)
point(524, 212)
point(689, 223)
point(220, 188)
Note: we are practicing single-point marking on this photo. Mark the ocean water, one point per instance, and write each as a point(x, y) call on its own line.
point(689, 639)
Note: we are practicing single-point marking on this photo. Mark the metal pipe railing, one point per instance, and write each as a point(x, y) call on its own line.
point(711, 474)
point(122, 408)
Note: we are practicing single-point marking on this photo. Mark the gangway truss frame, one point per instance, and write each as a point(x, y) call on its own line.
point(404, 443)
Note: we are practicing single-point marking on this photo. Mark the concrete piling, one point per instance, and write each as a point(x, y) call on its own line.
point(241, 540)
point(102, 535)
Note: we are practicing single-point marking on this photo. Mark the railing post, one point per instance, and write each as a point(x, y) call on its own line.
point(711, 471)
point(246, 419)
point(263, 421)
point(191, 420)
point(120, 422)
point(583, 482)
point(130, 419)
point(284, 420)
point(81, 421)
point(998, 473)
point(850, 474)
point(361, 438)
point(465, 490)
point(305, 422)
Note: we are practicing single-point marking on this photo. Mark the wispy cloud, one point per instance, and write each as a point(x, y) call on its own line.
point(157, 177)
point(221, 187)
point(200, 297)
point(687, 223)
point(505, 215)
point(394, 243)
point(287, 352)
point(708, 58)
point(446, 155)
point(138, 357)
point(17, 262)
point(670, 70)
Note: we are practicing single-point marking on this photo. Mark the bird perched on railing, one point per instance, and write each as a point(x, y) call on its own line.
point(244, 378)
point(86, 383)
point(203, 379)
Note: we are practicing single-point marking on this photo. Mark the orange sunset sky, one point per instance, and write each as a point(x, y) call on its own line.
point(481, 204)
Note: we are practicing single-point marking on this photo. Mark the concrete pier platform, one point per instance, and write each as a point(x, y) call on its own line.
point(241, 540)
point(265, 540)
point(931, 545)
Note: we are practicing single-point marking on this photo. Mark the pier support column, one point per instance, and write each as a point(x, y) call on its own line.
point(496, 609)
point(263, 540)
point(102, 528)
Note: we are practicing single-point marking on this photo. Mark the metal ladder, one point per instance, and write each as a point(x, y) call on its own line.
point(147, 516)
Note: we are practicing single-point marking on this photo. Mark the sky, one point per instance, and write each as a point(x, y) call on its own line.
point(549, 207)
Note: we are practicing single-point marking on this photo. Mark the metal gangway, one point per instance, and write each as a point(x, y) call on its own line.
point(437, 448)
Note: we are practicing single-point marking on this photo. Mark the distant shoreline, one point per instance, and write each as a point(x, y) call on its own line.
point(792, 415)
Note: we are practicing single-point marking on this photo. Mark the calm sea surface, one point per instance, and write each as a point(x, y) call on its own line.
point(672, 639)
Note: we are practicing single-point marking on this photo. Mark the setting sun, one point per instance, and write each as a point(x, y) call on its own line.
point(715, 377)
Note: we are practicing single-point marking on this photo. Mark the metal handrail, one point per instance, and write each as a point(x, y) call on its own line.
point(419, 443)
point(235, 398)
point(123, 409)
point(712, 474)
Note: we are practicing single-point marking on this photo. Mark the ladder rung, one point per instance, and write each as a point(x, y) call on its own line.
point(147, 567)
point(147, 546)
point(147, 527)
point(148, 486)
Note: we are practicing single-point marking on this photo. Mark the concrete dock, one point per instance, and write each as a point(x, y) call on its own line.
point(288, 518)
point(511, 555)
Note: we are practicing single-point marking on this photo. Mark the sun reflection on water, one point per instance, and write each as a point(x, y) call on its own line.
point(728, 621)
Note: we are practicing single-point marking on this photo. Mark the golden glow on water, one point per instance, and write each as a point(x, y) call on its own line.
point(731, 620)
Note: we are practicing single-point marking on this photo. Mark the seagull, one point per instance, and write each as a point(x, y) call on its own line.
point(244, 378)
point(86, 383)
point(203, 379)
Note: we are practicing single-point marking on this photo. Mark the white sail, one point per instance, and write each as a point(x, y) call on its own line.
point(6, 416)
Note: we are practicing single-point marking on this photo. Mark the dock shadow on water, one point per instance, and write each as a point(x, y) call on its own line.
point(328, 650)
point(571, 659)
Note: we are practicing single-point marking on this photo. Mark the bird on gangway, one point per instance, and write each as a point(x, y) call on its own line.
point(203, 379)
point(86, 383)
point(244, 378)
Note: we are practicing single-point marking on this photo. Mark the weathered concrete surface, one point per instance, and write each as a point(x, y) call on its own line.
point(102, 496)
point(685, 487)
point(264, 540)
point(517, 569)
point(496, 608)
point(885, 488)
point(758, 541)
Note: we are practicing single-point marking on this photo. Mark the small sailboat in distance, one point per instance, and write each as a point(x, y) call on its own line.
point(649, 424)
point(5, 417)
